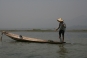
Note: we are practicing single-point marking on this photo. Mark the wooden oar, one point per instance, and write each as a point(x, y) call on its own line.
point(1, 36)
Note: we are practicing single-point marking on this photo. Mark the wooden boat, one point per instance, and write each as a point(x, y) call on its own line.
point(28, 39)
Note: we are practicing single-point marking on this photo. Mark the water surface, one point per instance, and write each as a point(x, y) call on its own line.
point(75, 47)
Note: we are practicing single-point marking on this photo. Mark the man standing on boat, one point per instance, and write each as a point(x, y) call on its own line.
point(61, 27)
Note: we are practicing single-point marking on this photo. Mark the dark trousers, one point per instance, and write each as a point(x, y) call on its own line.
point(61, 32)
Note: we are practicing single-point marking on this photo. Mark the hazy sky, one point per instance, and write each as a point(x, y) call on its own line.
point(42, 13)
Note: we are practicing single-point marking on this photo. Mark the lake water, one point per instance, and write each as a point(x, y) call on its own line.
point(75, 46)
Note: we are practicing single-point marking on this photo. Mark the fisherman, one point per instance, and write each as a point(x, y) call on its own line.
point(61, 27)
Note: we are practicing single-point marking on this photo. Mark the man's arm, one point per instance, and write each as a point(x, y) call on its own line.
point(58, 27)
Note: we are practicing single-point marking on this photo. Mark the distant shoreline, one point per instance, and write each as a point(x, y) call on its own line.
point(38, 30)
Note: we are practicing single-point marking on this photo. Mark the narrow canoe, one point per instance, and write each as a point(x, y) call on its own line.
point(28, 39)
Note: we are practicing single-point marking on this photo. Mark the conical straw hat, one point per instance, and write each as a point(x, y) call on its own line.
point(60, 19)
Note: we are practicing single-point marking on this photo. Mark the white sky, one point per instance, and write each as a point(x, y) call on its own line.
point(42, 13)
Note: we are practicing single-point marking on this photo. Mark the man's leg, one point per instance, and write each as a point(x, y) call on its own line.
point(63, 35)
point(60, 35)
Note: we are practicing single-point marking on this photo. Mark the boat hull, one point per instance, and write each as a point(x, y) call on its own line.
point(28, 39)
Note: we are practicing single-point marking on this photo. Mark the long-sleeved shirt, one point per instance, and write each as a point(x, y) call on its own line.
point(62, 26)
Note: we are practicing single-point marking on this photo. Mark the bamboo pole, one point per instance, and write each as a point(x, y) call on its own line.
point(1, 36)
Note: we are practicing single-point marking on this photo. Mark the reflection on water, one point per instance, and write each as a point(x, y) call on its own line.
point(62, 51)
